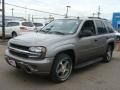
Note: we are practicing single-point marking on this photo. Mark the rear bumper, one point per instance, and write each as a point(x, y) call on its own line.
point(30, 66)
point(22, 33)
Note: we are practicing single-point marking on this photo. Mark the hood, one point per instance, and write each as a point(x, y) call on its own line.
point(36, 39)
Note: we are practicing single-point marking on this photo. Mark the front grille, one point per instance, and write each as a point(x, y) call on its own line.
point(16, 53)
point(19, 54)
point(19, 47)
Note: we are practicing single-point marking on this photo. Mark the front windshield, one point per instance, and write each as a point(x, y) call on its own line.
point(62, 26)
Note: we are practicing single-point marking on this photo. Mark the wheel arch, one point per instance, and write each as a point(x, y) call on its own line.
point(112, 43)
point(13, 33)
point(69, 52)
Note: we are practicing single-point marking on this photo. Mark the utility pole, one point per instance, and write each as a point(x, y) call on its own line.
point(99, 12)
point(3, 19)
point(93, 14)
point(29, 17)
point(0, 4)
point(66, 16)
point(32, 18)
point(12, 12)
point(26, 12)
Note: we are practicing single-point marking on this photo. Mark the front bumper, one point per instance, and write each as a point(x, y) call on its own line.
point(31, 66)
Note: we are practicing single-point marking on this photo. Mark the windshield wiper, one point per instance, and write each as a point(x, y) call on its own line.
point(43, 31)
point(46, 30)
point(57, 32)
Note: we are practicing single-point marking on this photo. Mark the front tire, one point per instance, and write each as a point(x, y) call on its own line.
point(108, 54)
point(62, 68)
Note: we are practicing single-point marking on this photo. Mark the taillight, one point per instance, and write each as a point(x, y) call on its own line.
point(23, 29)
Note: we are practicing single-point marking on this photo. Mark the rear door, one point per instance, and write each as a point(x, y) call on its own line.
point(101, 37)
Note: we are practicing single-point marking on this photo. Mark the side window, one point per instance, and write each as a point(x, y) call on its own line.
point(100, 27)
point(28, 24)
point(109, 27)
point(89, 27)
point(11, 24)
point(38, 24)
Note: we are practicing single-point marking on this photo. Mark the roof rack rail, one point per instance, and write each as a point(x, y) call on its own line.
point(95, 17)
point(98, 18)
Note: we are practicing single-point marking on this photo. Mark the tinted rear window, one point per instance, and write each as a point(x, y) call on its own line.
point(38, 24)
point(100, 27)
point(28, 24)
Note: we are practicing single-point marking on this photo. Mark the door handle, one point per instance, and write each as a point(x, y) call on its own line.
point(107, 37)
point(95, 40)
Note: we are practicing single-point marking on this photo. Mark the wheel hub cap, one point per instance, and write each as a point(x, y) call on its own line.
point(109, 54)
point(64, 68)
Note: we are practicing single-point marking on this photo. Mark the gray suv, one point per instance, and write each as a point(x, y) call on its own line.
point(61, 46)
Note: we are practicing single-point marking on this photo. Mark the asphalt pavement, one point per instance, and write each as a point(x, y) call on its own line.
point(100, 76)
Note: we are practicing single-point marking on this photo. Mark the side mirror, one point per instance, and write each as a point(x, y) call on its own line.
point(85, 33)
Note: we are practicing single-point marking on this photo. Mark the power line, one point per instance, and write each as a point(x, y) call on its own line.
point(33, 9)
point(40, 1)
point(98, 13)
point(36, 10)
point(36, 1)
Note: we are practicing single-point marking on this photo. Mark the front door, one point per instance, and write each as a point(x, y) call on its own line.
point(86, 44)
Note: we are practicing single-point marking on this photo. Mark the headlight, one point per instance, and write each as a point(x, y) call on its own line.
point(39, 52)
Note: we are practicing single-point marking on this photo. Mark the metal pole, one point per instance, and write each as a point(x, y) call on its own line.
point(66, 16)
point(93, 14)
point(99, 12)
point(12, 12)
point(3, 19)
point(28, 17)
point(67, 12)
point(32, 18)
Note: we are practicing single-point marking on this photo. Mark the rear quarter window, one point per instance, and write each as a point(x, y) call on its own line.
point(109, 27)
point(12, 24)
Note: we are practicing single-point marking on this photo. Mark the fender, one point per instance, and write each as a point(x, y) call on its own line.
point(111, 40)
point(52, 52)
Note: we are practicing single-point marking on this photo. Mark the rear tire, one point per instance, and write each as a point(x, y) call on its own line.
point(14, 34)
point(62, 68)
point(108, 55)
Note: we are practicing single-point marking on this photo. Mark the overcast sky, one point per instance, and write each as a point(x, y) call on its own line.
point(78, 7)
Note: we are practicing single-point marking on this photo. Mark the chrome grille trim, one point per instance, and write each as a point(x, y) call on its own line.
point(22, 51)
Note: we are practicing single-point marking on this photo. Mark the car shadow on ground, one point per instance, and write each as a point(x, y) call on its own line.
point(45, 80)
point(31, 78)
point(91, 67)
point(22, 77)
